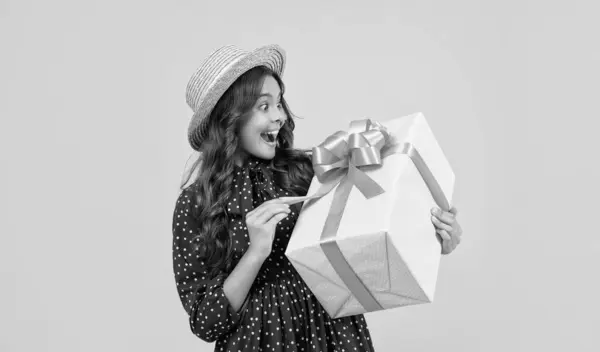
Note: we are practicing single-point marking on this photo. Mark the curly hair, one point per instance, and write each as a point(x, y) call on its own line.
point(214, 168)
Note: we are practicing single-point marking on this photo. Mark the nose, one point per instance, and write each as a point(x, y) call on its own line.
point(279, 118)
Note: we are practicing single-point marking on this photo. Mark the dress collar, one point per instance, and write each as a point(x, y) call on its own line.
point(252, 162)
point(252, 184)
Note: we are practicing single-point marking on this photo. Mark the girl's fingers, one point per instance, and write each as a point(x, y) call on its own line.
point(439, 238)
point(272, 211)
point(440, 224)
point(447, 244)
point(445, 216)
point(456, 240)
point(258, 211)
point(444, 235)
point(453, 210)
point(287, 200)
point(276, 219)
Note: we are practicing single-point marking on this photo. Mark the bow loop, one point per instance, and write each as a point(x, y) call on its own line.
point(352, 151)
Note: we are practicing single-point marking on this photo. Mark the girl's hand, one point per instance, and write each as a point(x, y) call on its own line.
point(447, 227)
point(262, 222)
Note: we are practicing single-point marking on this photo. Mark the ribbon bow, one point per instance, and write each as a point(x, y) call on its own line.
point(352, 151)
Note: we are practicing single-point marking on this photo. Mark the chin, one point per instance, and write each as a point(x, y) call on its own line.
point(266, 156)
point(261, 151)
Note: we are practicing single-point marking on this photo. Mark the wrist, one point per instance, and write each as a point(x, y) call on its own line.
point(256, 254)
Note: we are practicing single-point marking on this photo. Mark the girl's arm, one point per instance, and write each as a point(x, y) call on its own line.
point(203, 296)
point(261, 224)
point(238, 283)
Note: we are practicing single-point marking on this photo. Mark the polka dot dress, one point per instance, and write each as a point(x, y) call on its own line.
point(280, 312)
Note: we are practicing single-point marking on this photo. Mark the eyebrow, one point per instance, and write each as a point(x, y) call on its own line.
point(268, 95)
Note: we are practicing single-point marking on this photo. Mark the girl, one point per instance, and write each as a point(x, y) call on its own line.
point(230, 229)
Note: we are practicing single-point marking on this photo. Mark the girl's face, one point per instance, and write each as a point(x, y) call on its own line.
point(258, 134)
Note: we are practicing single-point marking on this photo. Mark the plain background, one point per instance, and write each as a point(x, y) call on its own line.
point(94, 143)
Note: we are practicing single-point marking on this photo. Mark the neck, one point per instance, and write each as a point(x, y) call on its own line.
point(240, 158)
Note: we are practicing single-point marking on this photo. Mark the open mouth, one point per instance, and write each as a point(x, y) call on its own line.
point(269, 137)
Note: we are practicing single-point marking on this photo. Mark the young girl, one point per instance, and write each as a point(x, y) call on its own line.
point(230, 229)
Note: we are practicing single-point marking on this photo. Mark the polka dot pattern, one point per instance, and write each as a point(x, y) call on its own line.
point(280, 313)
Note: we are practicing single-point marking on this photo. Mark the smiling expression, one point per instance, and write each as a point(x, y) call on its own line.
point(258, 133)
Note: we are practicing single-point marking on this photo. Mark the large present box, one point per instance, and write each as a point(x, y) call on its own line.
point(364, 240)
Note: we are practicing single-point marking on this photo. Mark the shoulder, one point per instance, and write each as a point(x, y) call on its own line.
point(186, 200)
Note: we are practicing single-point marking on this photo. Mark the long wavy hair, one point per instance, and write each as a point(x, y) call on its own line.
point(214, 168)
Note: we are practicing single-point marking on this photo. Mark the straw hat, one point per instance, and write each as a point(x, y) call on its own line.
point(216, 74)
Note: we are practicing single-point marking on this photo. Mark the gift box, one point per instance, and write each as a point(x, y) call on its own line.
point(364, 240)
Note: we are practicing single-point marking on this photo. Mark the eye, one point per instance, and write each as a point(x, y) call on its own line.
point(264, 106)
point(279, 105)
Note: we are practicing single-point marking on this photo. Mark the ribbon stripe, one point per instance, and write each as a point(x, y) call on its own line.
point(334, 254)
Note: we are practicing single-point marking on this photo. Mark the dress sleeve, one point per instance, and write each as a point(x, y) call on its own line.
point(210, 314)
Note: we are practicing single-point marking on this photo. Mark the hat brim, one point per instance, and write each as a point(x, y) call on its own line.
point(270, 56)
